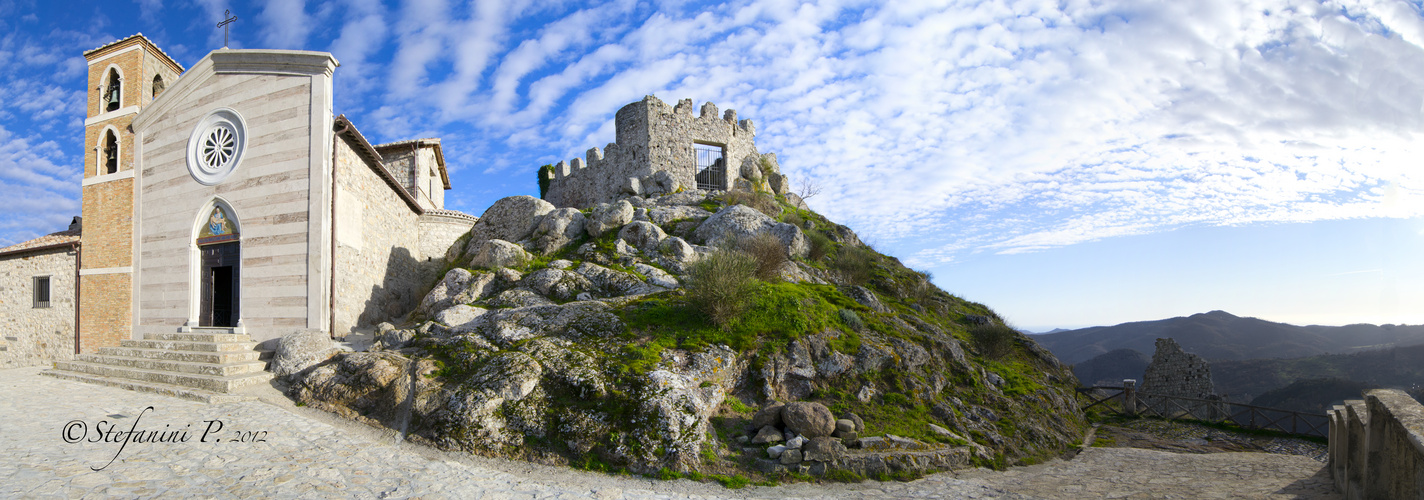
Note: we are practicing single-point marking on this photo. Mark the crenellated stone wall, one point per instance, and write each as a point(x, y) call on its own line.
point(1377, 446)
point(653, 154)
point(1175, 372)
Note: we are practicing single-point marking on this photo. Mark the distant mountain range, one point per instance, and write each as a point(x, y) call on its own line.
point(1220, 336)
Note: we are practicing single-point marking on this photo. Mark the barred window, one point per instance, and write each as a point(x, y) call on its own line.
point(41, 291)
point(711, 167)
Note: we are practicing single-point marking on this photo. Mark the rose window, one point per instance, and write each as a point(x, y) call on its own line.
point(216, 146)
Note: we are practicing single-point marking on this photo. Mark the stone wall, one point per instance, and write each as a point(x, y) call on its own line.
point(37, 336)
point(438, 231)
point(1377, 446)
point(652, 136)
point(1175, 372)
point(379, 266)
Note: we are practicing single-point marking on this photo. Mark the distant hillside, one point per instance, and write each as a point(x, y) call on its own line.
point(1400, 367)
point(1219, 335)
point(1312, 395)
point(1111, 367)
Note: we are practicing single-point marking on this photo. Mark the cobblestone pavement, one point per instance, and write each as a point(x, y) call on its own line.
point(304, 453)
point(1136, 473)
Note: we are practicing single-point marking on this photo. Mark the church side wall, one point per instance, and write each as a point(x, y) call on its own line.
point(378, 265)
point(439, 232)
point(36, 336)
point(268, 192)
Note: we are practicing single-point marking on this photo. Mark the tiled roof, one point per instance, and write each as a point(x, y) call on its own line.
point(130, 37)
point(49, 240)
point(435, 140)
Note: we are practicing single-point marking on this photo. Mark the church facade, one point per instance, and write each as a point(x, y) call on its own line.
point(230, 195)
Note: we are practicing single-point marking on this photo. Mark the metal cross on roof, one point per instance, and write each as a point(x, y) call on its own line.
point(227, 13)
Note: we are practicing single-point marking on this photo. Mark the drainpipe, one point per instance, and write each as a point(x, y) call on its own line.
point(78, 260)
point(331, 295)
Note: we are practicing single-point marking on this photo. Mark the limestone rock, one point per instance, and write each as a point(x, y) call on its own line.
point(945, 432)
point(737, 222)
point(809, 419)
point(556, 283)
point(632, 186)
point(510, 219)
point(610, 283)
point(859, 424)
point(608, 216)
point(676, 254)
point(823, 449)
point(561, 264)
point(775, 451)
point(769, 416)
point(846, 425)
point(662, 216)
point(790, 457)
point(499, 253)
point(459, 317)
point(778, 183)
point(661, 182)
point(645, 236)
point(441, 297)
point(301, 350)
point(557, 229)
point(866, 298)
point(519, 297)
point(656, 277)
point(796, 201)
point(795, 442)
point(767, 434)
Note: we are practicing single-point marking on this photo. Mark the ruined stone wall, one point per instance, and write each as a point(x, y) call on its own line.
point(1175, 372)
point(652, 136)
point(31, 335)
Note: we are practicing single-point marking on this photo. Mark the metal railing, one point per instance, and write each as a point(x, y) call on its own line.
point(1133, 402)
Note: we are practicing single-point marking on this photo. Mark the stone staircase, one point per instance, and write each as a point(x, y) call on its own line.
point(206, 364)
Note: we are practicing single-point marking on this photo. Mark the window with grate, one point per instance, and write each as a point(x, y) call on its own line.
point(711, 167)
point(41, 291)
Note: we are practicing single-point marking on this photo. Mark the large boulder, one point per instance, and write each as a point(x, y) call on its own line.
point(556, 229)
point(499, 253)
point(301, 350)
point(458, 287)
point(823, 449)
point(768, 416)
point(608, 216)
point(662, 216)
point(737, 222)
point(610, 283)
point(509, 219)
point(556, 283)
point(645, 236)
point(812, 420)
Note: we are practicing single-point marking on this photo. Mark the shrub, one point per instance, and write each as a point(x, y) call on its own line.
point(769, 254)
point(721, 285)
point(993, 339)
point(820, 246)
point(855, 264)
point(793, 219)
point(852, 320)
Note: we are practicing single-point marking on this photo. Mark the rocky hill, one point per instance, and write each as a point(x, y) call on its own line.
point(1246, 380)
point(1219, 335)
point(695, 333)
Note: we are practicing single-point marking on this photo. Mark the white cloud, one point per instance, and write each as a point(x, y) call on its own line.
point(287, 24)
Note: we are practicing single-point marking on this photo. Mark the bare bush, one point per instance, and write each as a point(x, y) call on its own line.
point(993, 339)
point(808, 188)
point(769, 254)
point(721, 285)
point(855, 264)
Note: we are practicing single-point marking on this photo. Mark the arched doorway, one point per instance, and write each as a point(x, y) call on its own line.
point(219, 268)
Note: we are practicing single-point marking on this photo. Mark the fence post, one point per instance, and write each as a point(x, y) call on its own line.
point(1129, 396)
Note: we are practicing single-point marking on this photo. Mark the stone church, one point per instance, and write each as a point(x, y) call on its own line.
point(225, 202)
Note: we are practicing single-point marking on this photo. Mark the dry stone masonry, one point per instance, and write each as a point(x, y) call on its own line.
point(656, 152)
point(1175, 372)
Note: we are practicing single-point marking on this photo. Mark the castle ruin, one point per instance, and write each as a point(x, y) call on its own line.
point(662, 149)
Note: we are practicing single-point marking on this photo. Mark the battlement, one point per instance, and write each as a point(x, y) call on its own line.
point(660, 149)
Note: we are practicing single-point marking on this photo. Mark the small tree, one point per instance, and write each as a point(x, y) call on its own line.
point(721, 285)
point(809, 188)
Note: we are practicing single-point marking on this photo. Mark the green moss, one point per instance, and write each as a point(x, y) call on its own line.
point(736, 481)
point(738, 406)
point(1016, 380)
point(667, 474)
point(844, 476)
point(779, 313)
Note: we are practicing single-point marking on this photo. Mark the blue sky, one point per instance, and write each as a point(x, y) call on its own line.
point(1069, 163)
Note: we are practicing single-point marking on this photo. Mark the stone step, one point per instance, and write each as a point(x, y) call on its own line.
point(199, 337)
point(178, 345)
point(150, 387)
point(191, 380)
point(200, 368)
point(214, 357)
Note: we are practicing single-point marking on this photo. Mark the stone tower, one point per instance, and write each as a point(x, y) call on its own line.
point(124, 77)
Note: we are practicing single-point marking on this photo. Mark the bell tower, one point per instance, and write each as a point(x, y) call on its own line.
point(124, 77)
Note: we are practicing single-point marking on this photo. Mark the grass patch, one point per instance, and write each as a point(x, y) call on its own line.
point(1016, 383)
point(738, 406)
point(777, 314)
point(844, 476)
point(734, 482)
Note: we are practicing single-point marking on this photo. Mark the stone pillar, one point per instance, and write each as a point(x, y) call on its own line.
point(1129, 396)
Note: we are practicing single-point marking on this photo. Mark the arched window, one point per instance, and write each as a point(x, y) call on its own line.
point(112, 93)
point(157, 85)
point(111, 153)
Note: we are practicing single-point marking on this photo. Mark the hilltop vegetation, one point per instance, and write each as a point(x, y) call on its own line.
point(644, 334)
